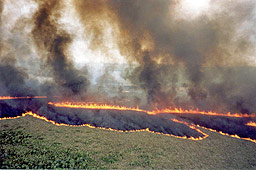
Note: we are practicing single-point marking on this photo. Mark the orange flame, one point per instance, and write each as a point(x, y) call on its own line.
point(90, 126)
point(153, 112)
point(121, 108)
point(81, 105)
point(157, 111)
point(220, 132)
point(197, 111)
point(27, 97)
point(192, 127)
point(251, 124)
point(226, 134)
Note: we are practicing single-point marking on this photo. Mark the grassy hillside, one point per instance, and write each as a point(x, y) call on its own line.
point(28, 142)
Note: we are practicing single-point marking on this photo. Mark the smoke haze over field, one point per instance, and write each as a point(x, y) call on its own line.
point(142, 52)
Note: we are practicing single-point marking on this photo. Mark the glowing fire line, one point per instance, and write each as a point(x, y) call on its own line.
point(251, 124)
point(153, 112)
point(95, 106)
point(27, 97)
point(226, 134)
point(122, 108)
point(90, 126)
point(191, 126)
point(157, 111)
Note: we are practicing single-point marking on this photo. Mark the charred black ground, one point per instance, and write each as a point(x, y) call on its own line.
point(130, 120)
point(119, 120)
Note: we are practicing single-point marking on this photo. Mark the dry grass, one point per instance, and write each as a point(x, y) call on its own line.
point(142, 149)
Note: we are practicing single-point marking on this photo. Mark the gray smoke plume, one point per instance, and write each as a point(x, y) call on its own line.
point(202, 62)
point(52, 42)
point(200, 47)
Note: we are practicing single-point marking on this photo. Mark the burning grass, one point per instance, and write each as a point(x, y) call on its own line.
point(204, 135)
point(63, 147)
point(27, 97)
point(251, 124)
point(133, 119)
point(83, 105)
point(232, 125)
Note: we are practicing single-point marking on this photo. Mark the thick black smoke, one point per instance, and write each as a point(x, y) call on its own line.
point(203, 48)
point(182, 62)
point(193, 43)
point(52, 42)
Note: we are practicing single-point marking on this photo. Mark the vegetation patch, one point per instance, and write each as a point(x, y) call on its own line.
point(21, 150)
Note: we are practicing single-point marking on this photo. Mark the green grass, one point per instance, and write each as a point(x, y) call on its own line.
point(28, 142)
point(21, 150)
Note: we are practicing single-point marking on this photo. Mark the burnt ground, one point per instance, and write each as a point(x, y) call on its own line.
point(108, 149)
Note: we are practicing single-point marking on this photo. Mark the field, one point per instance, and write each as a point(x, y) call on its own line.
point(28, 142)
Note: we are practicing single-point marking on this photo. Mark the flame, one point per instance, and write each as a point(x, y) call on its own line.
point(197, 111)
point(226, 134)
point(27, 97)
point(192, 126)
point(115, 130)
point(220, 132)
point(251, 124)
point(157, 111)
point(82, 105)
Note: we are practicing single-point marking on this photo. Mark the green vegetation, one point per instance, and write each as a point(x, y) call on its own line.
point(21, 150)
point(32, 143)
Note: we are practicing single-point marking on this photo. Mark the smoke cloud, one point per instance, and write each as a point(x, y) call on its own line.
point(52, 41)
point(204, 62)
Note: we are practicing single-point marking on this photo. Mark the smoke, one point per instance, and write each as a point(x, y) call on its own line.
point(171, 59)
point(203, 48)
point(10, 76)
point(194, 44)
point(52, 42)
point(165, 58)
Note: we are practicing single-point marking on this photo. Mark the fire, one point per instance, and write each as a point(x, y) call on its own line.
point(226, 134)
point(153, 112)
point(251, 124)
point(95, 106)
point(83, 105)
point(192, 127)
point(157, 111)
point(115, 130)
point(220, 132)
point(197, 111)
point(27, 97)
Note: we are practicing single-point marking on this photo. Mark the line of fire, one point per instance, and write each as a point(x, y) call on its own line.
point(160, 121)
point(179, 68)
